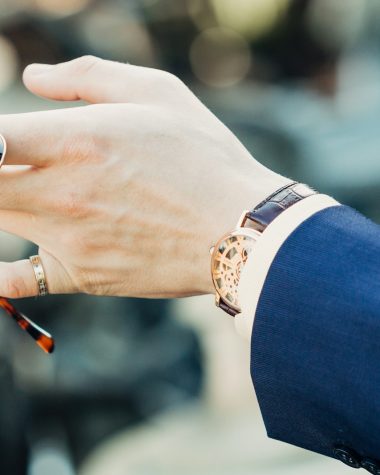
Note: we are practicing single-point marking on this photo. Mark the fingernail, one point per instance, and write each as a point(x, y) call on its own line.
point(38, 68)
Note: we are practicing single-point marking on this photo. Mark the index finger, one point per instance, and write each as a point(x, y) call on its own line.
point(37, 138)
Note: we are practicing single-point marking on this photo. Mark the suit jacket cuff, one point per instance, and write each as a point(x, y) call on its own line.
point(258, 264)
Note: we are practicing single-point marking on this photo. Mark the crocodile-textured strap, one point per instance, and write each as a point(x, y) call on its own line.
point(266, 211)
point(224, 306)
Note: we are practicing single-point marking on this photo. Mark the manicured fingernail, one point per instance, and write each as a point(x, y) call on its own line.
point(38, 68)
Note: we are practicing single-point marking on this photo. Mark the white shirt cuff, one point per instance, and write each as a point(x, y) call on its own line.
point(263, 253)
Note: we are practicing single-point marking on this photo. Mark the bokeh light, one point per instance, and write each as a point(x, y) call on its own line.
point(12, 7)
point(250, 18)
point(336, 24)
point(9, 63)
point(61, 8)
point(220, 57)
point(113, 34)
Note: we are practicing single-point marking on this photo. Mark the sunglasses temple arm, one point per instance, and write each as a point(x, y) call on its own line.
point(43, 339)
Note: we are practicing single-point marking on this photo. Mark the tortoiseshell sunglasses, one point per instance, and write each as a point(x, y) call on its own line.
point(43, 339)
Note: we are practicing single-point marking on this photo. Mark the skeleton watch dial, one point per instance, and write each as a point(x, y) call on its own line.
point(228, 259)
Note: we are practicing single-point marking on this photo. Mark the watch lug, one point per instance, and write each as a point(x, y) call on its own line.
point(212, 250)
point(217, 300)
point(242, 219)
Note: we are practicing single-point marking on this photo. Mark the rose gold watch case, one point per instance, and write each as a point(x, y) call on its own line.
point(228, 258)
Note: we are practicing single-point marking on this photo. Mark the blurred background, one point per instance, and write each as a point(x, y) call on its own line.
point(144, 387)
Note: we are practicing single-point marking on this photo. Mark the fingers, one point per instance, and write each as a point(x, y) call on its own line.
point(95, 80)
point(18, 280)
point(36, 138)
point(25, 193)
point(19, 190)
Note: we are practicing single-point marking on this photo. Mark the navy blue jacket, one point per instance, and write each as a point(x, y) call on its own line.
point(315, 355)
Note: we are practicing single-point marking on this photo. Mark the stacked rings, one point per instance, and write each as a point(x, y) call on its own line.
point(40, 275)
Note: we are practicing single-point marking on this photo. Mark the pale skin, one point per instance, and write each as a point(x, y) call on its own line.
point(124, 196)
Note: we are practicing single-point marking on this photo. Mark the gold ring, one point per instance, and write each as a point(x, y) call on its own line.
point(40, 275)
point(3, 150)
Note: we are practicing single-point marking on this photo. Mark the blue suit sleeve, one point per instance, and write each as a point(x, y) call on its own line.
point(315, 350)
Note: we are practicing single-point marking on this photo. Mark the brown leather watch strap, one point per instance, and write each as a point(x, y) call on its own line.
point(227, 308)
point(266, 211)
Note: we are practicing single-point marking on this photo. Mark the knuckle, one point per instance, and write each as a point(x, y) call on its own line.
point(165, 79)
point(90, 144)
point(86, 63)
point(171, 79)
point(87, 286)
point(166, 84)
point(73, 205)
point(85, 281)
point(13, 286)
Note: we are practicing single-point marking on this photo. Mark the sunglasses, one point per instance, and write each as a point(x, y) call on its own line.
point(43, 339)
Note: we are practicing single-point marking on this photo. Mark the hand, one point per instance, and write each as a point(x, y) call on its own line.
point(124, 196)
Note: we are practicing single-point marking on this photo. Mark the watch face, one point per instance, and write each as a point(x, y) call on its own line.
point(228, 259)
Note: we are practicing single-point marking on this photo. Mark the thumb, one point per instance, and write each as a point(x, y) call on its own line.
point(87, 78)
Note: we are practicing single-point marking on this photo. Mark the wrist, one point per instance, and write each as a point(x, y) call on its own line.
point(243, 191)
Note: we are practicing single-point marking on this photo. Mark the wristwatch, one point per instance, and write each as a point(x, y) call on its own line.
point(230, 253)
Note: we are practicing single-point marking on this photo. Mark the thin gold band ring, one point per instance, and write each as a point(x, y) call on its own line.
point(40, 275)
